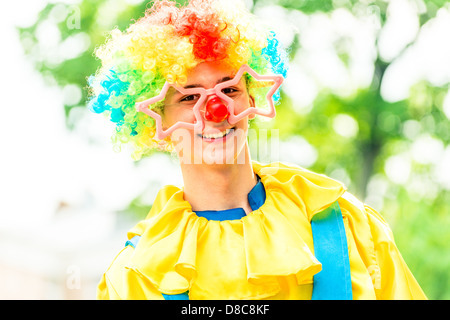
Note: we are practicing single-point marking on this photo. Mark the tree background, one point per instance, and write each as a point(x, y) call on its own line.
point(366, 101)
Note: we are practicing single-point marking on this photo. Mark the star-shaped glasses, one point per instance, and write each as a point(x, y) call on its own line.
point(201, 95)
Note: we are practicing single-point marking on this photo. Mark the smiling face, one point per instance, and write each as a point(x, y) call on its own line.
point(218, 142)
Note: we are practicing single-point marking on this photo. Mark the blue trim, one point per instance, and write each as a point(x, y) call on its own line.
point(222, 215)
point(133, 241)
point(180, 296)
point(333, 282)
point(257, 196)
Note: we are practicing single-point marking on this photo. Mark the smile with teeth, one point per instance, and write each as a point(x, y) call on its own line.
point(217, 135)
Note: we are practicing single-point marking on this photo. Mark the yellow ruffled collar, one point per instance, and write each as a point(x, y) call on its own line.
point(237, 259)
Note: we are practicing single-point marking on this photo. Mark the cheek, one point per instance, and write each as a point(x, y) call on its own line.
point(241, 104)
point(172, 116)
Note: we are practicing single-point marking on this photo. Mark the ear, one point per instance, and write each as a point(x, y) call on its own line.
point(251, 101)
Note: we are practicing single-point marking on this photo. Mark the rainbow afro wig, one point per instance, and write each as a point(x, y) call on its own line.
point(163, 46)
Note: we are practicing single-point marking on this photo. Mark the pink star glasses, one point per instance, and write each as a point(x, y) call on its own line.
point(216, 110)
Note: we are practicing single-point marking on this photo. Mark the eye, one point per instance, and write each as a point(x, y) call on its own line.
point(190, 98)
point(230, 91)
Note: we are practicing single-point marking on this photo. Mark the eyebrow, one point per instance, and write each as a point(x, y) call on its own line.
point(217, 82)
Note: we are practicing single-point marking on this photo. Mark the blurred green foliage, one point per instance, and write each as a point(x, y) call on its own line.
point(418, 209)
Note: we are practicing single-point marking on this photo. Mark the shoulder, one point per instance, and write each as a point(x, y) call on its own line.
point(166, 195)
point(284, 172)
point(317, 191)
point(311, 191)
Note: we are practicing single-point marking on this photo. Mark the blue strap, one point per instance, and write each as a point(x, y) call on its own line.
point(333, 282)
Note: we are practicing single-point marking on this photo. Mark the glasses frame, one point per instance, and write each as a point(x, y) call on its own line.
point(199, 122)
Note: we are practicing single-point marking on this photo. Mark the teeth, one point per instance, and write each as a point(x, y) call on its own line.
point(216, 135)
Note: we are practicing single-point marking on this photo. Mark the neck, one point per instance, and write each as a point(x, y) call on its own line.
point(218, 187)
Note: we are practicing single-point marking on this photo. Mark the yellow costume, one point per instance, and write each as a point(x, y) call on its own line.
point(268, 254)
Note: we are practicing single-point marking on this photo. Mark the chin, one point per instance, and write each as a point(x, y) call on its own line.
point(231, 152)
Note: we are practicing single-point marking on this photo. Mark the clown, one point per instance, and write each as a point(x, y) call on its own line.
point(188, 80)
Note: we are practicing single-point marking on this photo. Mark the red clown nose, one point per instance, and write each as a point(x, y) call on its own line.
point(215, 110)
